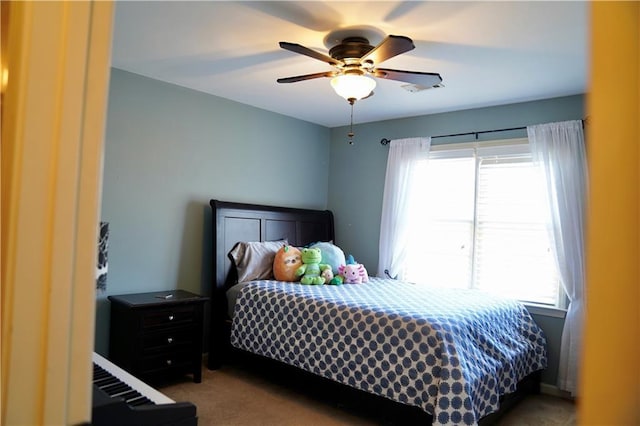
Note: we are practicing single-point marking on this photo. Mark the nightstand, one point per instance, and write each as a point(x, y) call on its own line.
point(155, 335)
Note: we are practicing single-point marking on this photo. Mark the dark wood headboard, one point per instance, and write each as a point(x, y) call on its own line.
point(235, 222)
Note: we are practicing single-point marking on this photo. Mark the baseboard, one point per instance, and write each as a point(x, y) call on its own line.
point(552, 390)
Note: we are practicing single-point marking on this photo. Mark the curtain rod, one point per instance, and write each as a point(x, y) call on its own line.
point(386, 141)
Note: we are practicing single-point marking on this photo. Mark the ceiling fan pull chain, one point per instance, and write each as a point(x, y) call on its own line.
point(350, 134)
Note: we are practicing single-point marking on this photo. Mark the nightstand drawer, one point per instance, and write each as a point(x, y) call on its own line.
point(171, 361)
point(177, 315)
point(167, 340)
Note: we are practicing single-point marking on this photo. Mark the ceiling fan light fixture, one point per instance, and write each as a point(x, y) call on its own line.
point(351, 86)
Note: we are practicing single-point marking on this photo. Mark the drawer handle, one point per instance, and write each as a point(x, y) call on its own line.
point(168, 362)
point(170, 340)
point(170, 317)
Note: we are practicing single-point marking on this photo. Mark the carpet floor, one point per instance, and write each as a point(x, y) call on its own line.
point(248, 391)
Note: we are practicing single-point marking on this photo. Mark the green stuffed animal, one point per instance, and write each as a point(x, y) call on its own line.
point(311, 269)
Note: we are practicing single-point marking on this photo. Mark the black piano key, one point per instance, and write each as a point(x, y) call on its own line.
point(118, 389)
point(102, 378)
point(101, 373)
point(140, 400)
point(99, 370)
point(129, 395)
point(108, 379)
point(98, 374)
point(121, 391)
point(105, 386)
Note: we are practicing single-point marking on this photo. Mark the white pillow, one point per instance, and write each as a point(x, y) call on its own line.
point(254, 260)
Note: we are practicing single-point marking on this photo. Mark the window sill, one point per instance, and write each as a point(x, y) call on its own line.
point(546, 311)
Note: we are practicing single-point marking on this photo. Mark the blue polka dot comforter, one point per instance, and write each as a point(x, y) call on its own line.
point(451, 352)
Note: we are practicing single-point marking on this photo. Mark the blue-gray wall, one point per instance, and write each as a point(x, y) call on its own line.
point(169, 150)
point(357, 172)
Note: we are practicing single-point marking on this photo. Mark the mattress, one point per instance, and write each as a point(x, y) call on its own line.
point(451, 352)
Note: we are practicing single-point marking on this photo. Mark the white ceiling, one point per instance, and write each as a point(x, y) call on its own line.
point(488, 53)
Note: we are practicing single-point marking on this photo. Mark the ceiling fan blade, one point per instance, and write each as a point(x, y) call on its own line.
point(391, 46)
point(297, 48)
point(307, 77)
point(426, 79)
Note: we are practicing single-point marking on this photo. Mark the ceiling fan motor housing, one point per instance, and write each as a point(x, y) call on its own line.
point(351, 48)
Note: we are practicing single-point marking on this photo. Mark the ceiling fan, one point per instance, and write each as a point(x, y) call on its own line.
point(356, 61)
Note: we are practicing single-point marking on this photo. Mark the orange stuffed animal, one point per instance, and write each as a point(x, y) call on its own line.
point(285, 263)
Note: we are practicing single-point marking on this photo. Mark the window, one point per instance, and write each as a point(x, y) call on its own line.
point(484, 223)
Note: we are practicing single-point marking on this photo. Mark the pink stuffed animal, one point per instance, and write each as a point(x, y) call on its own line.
point(354, 273)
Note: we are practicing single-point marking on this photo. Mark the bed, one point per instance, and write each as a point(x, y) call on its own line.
point(458, 355)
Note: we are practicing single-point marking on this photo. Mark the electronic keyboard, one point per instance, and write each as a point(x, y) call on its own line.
point(119, 398)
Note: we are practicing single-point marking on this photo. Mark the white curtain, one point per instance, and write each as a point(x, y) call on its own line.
point(397, 211)
point(558, 148)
